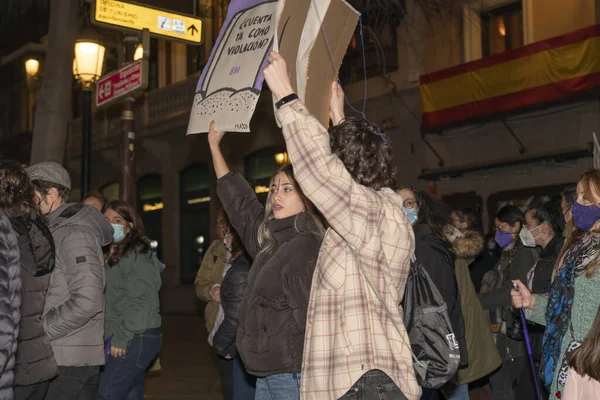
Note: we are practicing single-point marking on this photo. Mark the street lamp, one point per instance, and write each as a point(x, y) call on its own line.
point(87, 69)
point(282, 158)
point(32, 66)
point(139, 53)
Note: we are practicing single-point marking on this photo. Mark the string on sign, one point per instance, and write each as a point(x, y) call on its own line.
point(364, 59)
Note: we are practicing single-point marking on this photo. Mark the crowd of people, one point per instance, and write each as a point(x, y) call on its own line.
point(79, 291)
point(305, 294)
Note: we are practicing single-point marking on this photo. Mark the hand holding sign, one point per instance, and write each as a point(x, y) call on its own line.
point(214, 136)
point(276, 75)
point(336, 104)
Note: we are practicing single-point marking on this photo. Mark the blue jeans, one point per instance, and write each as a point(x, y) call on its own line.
point(244, 384)
point(123, 378)
point(278, 387)
point(460, 392)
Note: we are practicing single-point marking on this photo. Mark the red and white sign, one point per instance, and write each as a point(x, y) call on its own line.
point(124, 82)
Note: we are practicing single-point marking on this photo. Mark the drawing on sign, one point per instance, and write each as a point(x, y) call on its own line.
point(178, 26)
point(231, 82)
point(164, 23)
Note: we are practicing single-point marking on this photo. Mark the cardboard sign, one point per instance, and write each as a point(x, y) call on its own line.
point(313, 36)
point(231, 82)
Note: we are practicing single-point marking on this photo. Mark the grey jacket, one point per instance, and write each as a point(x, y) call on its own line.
point(10, 314)
point(74, 311)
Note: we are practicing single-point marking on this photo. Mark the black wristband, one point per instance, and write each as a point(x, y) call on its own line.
point(285, 100)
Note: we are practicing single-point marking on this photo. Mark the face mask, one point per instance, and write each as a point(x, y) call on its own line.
point(412, 214)
point(503, 238)
point(527, 237)
point(585, 217)
point(227, 245)
point(119, 232)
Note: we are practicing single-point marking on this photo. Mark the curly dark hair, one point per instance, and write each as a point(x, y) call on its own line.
point(17, 194)
point(224, 227)
point(44, 187)
point(135, 241)
point(358, 143)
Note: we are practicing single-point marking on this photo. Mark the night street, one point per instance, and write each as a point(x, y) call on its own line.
point(189, 368)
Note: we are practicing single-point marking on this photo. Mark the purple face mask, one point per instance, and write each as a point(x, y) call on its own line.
point(503, 238)
point(585, 217)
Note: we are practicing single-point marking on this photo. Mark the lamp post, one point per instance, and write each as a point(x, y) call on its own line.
point(32, 68)
point(282, 158)
point(87, 69)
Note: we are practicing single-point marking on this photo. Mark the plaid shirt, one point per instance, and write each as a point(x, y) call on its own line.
point(348, 331)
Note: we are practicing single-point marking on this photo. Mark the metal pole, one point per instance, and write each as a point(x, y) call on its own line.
point(127, 182)
point(86, 141)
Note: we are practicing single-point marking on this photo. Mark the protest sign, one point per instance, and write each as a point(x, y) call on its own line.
point(313, 36)
point(231, 82)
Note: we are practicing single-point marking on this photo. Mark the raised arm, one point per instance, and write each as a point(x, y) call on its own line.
point(214, 142)
point(239, 200)
point(351, 209)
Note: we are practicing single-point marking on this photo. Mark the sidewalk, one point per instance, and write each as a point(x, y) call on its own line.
point(189, 367)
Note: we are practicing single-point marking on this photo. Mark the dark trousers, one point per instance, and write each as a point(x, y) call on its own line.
point(374, 385)
point(122, 378)
point(244, 384)
point(429, 394)
point(503, 379)
point(74, 383)
point(226, 367)
point(36, 391)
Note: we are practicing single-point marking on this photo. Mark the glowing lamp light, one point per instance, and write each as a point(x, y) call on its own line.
point(282, 158)
point(139, 53)
point(32, 67)
point(501, 27)
point(87, 65)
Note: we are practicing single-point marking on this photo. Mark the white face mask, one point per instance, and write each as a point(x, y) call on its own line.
point(527, 237)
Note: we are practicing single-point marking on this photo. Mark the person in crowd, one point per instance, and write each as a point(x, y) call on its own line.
point(355, 337)
point(584, 367)
point(233, 291)
point(569, 310)
point(74, 310)
point(132, 323)
point(35, 363)
point(516, 261)
point(215, 264)
point(10, 306)
point(467, 242)
point(432, 250)
point(568, 198)
point(485, 261)
point(95, 199)
point(283, 239)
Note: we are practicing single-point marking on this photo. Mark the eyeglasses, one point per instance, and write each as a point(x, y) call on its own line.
point(410, 204)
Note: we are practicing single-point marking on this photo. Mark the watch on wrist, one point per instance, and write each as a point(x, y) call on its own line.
point(287, 99)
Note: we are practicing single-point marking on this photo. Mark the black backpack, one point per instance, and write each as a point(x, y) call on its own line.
point(435, 349)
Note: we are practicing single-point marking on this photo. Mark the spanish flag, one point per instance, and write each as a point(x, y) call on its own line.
point(540, 72)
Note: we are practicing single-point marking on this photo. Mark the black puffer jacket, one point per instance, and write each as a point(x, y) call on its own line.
point(435, 256)
point(271, 328)
point(233, 289)
point(35, 358)
point(10, 293)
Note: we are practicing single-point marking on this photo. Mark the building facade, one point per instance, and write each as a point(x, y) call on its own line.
point(481, 162)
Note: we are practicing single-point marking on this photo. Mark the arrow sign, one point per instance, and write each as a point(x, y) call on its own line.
point(127, 15)
point(193, 29)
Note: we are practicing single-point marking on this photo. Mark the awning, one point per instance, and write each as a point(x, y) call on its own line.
point(538, 73)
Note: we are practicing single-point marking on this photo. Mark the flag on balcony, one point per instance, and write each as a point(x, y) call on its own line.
point(313, 36)
point(540, 72)
point(231, 81)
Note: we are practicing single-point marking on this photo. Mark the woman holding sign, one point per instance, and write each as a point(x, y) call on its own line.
point(283, 239)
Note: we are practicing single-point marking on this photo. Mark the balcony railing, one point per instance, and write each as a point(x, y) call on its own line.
point(157, 111)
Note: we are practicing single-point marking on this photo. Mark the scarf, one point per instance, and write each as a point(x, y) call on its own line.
point(560, 300)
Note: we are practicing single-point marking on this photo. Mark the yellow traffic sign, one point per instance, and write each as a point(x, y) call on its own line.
point(131, 16)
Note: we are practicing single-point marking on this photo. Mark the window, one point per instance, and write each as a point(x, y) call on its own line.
point(502, 29)
point(381, 50)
